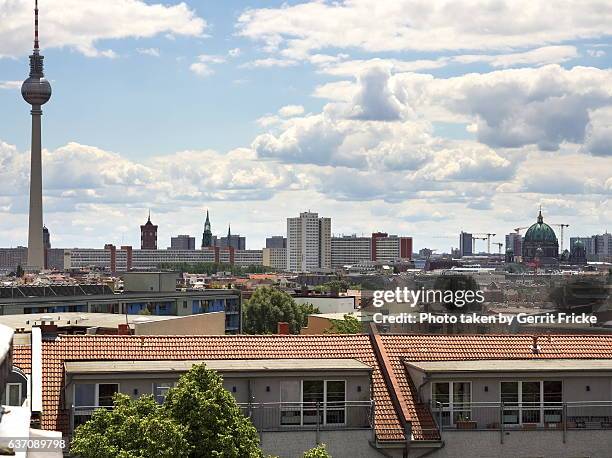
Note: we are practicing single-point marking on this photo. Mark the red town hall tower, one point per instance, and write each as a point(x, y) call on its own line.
point(148, 235)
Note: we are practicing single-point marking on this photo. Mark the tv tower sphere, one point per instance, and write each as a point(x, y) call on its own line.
point(36, 90)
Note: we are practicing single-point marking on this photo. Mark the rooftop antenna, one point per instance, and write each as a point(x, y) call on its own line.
point(36, 46)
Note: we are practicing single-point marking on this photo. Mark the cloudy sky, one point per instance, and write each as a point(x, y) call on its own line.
point(407, 116)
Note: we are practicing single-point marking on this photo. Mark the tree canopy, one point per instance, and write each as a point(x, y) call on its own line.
point(269, 306)
point(320, 451)
point(349, 325)
point(213, 267)
point(215, 425)
point(133, 428)
point(198, 418)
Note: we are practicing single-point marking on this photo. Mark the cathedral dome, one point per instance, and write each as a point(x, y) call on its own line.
point(540, 232)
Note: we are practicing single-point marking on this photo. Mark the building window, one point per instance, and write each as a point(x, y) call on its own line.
point(13, 394)
point(532, 401)
point(160, 390)
point(299, 402)
point(454, 399)
point(95, 394)
point(88, 397)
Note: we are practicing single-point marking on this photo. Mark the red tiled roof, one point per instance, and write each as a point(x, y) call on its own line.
point(394, 350)
point(71, 348)
point(22, 357)
point(399, 348)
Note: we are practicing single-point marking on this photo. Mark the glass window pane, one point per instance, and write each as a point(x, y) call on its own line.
point(14, 395)
point(510, 397)
point(461, 392)
point(335, 409)
point(335, 392)
point(161, 390)
point(441, 393)
point(84, 394)
point(105, 393)
point(531, 402)
point(553, 391)
point(313, 391)
point(509, 393)
point(311, 394)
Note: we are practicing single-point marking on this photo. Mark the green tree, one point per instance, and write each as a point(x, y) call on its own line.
point(269, 306)
point(133, 428)
point(349, 325)
point(215, 425)
point(20, 272)
point(318, 452)
point(198, 418)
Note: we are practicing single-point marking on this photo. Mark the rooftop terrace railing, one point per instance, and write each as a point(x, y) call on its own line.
point(283, 416)
point(513, 416)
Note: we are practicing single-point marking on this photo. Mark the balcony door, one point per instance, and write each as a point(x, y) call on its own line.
point(532, 402)
point(454, 400)
point(300, 399)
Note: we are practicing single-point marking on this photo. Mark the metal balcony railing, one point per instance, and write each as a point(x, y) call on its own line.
point(523, 415)
point(282, 416)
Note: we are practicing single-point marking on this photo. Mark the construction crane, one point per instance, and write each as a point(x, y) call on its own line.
point(499, 246)
point(560, 226)
point(487, 237)
point(519, 229)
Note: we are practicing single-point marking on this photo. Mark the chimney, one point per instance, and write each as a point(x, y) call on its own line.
point(535, 348)
point(283, 328)
point(48, 328)
point(124, 330)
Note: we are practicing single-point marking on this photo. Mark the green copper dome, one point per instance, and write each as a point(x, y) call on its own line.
point(540, 232)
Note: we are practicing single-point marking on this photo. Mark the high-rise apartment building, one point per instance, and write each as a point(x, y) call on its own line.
point(275, 258)
point(390, 248)
point(182, 242)
point(276, 241)
point(349, 250)
point(598, 247)
point(514, 242)
point(466, 244)
point(308, 243)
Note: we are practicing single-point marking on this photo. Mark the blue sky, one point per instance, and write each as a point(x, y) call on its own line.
point(390, 115)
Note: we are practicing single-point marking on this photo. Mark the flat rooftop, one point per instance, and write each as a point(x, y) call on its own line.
point(226, 365)
point(512, 365)
point(118, 297)
point(76, 319)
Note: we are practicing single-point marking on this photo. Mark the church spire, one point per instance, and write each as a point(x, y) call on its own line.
point(540, 217)
point(207, 234)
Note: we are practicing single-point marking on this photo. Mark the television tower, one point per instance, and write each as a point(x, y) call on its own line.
point(36, 90)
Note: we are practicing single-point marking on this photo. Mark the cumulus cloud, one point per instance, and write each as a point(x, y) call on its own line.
point(375, 101)
point(545, 106)
point(110, 178)
point(298, 30)
point(203, 66)
point(599, 133)
point(289, 111)
point(10, 84)
point(153, 52)
point(91, 22)
point(270, 62)
point(535, 57)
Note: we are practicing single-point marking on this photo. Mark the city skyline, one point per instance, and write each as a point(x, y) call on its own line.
point(252, 113)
